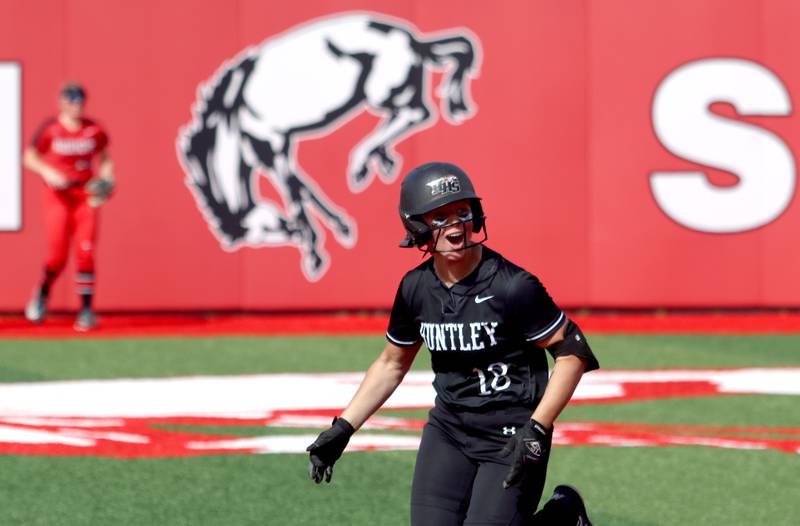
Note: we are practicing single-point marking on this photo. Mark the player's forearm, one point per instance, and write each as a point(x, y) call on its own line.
point(33, 162)
point(106, 169)
point(381, 380)
point(567, 372)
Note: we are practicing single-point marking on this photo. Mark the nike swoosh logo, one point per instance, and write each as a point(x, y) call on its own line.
point(478, 299)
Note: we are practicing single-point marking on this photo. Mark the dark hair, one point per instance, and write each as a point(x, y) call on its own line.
point(73, 91)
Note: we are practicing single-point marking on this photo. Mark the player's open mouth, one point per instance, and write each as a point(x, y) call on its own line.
point(455, 238)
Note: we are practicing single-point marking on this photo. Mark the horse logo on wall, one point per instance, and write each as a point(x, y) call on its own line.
point(250, 117)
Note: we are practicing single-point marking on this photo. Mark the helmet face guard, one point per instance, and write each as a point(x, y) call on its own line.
point(436, 232)
point(431, 186)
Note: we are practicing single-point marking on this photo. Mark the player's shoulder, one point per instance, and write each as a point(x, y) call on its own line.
point(515, 278)
point(91, 124)
point(417, 280)
point(46, 124)
point(45, 128)
point(419, 273)
point(506, 269)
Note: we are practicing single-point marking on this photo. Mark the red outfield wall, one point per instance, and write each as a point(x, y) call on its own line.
point(576, 117)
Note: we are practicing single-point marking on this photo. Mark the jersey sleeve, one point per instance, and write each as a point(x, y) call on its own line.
point(532, 309)
point(102, 140)
point(42, 138)
point(403, 326)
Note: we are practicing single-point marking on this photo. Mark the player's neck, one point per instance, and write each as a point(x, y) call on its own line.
point(70, 123)
point(452, 271)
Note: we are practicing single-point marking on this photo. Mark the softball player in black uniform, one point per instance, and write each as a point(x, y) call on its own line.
point(484, 451)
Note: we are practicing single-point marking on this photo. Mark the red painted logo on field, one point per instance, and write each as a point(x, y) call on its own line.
point(165, 417)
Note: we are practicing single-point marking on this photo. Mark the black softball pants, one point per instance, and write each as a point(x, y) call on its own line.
point(458, 477)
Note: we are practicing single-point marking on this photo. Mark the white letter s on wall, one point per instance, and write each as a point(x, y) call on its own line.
point(686, 127)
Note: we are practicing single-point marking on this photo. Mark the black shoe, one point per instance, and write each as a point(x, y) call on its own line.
point(569, 496)
point(36, 310)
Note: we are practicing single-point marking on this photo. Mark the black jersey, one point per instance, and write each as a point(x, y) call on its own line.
point(481, 332)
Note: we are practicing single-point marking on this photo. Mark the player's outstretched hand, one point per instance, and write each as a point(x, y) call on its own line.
point(327, 449)
point(528, 447)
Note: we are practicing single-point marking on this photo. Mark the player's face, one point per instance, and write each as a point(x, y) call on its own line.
point(72, 108)
point(452, 228)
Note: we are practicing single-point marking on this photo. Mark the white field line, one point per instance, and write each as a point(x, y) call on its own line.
point(261, 395)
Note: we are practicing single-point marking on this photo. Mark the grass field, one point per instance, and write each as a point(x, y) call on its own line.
point(622, 486)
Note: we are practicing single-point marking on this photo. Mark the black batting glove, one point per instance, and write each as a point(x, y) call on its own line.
point(528, 447)
point(327, 449)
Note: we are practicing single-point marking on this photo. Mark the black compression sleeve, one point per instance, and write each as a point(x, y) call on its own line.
point(575, 343)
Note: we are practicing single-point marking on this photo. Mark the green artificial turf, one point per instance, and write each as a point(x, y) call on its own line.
point(622, 486)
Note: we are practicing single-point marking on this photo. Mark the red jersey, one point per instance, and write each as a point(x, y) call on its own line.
point(70, 152)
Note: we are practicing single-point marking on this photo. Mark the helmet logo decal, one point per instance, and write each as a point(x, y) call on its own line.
point(252, 114)
point(445, 185)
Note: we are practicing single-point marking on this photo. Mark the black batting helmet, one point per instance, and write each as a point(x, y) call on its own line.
point(428, 187)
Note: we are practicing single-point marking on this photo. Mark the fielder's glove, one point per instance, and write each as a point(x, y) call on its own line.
point(528, 447)
point(327, 449)
point(100, 188)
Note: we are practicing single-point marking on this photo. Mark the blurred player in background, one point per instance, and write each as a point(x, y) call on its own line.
point(484, 451)
point(64, 152)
